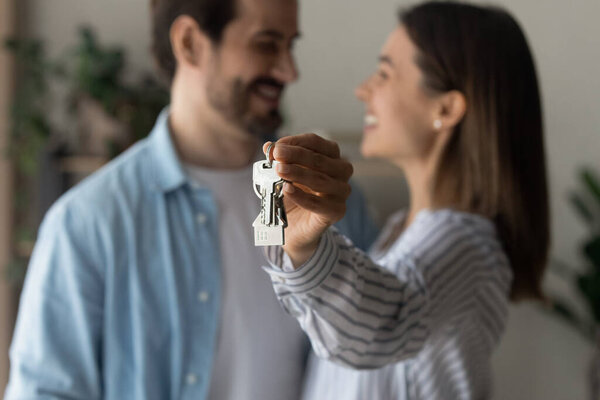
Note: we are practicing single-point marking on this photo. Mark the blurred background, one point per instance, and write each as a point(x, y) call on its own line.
point(76, 75)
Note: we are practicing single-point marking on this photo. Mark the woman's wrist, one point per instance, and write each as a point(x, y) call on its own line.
point(301, 254)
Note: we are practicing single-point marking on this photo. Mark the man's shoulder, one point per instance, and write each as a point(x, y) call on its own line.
point(123, 181)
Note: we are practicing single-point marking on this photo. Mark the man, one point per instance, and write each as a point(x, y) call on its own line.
point(145, 283)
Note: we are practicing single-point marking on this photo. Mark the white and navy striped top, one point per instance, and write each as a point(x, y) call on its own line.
point(417, 321)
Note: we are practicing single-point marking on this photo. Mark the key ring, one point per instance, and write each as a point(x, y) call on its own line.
point(268, 154)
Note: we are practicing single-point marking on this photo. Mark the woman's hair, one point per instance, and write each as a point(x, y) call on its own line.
point(494, 163)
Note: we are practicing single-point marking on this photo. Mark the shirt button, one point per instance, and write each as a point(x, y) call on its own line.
point(201, 218)
point(203, 296)
point(280, 279)
point(191, 379)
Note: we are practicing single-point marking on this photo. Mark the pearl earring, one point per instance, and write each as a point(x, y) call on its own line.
point(437, 124)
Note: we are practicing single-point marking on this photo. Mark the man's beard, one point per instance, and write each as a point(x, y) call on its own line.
point(233, 103)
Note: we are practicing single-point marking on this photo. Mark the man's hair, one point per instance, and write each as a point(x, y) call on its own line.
point(211, 15)
point(494, 164)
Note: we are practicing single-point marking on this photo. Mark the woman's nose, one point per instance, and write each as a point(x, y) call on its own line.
point(362, 91)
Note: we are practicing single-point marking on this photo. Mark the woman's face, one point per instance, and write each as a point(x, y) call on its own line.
point(399, 114)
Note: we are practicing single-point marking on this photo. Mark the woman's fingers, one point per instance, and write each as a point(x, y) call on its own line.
point(310, 151)
point(331, 209)
point(335, 167)
point(316, 181)
point(313, 142)
point(312, 167)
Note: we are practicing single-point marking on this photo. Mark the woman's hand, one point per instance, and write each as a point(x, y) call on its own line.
point(315, 192)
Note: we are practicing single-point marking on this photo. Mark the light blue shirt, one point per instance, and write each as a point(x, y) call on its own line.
point(122, 295)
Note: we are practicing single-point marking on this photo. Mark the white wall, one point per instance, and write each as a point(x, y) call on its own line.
point(339, 49)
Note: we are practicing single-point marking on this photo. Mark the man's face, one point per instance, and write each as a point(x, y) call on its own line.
point(251, 65)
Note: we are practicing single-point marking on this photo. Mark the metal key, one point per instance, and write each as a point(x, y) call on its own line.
point(270, 223)
point(265, 178)
point(268, 226)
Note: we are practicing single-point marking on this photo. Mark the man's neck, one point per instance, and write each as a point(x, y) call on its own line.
point(215, 146)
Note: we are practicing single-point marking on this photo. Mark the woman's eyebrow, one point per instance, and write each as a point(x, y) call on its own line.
point(386, 60)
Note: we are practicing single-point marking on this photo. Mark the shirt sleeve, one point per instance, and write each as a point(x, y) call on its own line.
point(363, 315)
point(355, 312)
point(57, 345)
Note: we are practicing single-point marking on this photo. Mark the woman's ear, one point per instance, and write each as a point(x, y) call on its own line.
point(187, 41)
point(451, 110)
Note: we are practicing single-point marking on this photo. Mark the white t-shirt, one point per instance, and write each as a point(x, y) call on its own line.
point(260, 348)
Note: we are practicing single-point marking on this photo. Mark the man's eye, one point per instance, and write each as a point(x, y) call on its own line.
point(267, 47)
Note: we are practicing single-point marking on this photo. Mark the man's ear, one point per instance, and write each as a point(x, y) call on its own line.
point(451, 109)
point(187, 41)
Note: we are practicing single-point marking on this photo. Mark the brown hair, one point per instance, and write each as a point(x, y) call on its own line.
point(211, 15)
point(497, 150)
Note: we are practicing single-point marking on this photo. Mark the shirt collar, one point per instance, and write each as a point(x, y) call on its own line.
point(169, 172)
point(168, 169)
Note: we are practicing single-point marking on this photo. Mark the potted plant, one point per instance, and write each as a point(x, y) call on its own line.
point(586, 202)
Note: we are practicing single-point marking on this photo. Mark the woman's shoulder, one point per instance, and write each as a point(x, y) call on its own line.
point(452, 222)
point(452, 216)
point(443, 230)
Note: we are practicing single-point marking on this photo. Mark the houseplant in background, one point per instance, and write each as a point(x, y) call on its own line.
point(29, 132)
point(586, 201)
point(99, 115)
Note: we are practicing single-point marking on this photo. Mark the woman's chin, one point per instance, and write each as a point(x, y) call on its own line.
point(367, 150)
point(364, 150)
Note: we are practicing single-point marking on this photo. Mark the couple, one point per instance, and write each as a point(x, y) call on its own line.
point(144, 283)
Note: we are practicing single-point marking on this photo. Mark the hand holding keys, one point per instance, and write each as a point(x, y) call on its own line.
point(314, 178)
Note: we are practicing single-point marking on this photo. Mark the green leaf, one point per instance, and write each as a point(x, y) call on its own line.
point(589, 285)
point(581, 207)
point(15, 270)
point(591, 250)
point(564, 311)
point(11, 44)
point(590, 181)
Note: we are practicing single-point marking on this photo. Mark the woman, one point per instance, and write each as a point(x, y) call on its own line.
point(455, 104)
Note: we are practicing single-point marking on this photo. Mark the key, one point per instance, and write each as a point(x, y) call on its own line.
point(270, 223)
point(279, 209)
point(267, 185)
point(265, 178)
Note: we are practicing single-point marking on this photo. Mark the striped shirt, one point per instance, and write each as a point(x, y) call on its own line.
point(417, 321)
